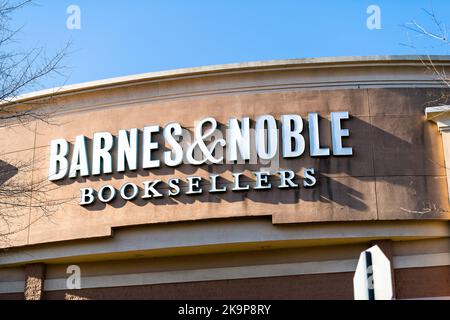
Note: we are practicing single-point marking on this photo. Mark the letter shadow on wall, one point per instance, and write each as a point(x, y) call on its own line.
point(346, 181)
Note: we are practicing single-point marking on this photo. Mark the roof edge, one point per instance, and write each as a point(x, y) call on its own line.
point(230, 67)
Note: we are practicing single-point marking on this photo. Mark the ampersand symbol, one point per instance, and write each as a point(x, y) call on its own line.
point(200, 142)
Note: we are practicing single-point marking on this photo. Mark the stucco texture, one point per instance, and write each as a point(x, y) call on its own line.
point(397, 171)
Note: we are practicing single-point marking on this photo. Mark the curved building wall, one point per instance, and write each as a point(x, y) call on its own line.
point(391, 191)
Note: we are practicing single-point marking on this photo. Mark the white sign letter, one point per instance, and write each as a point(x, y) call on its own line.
point(314, 139)
point(79, 158)
point(337, 133)
point(87, 196)
point(238, 138)
point(127, 149)
point(266, 127)
point(59, 165)
point(147, 146)
point(171, 131)
point(292, 126)
point(101, 156)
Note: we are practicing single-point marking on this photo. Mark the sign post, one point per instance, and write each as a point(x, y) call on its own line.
point(373, 279)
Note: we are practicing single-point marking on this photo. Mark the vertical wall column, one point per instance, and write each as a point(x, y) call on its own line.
point(446, 144)
point(441, 115)
point(34, 281)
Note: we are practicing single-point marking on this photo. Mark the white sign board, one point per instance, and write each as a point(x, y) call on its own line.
point(372, 279)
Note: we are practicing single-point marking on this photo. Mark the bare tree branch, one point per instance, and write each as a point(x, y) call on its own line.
point(24, 199)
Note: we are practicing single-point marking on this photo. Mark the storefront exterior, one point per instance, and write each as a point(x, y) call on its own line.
point(315, 160)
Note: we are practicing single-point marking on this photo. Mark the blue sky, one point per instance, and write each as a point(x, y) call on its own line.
point(128, 37)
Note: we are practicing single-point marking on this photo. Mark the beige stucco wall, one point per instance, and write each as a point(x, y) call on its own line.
point(397, 171)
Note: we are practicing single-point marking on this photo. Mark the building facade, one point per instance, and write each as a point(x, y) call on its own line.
point(260, 180)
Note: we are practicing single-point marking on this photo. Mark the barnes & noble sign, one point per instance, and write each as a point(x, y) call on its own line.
point(240, 141)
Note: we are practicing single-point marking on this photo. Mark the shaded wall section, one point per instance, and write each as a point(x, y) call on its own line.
point(396, 152)
point(410, 283)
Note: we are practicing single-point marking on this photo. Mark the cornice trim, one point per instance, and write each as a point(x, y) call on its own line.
point(244, 67)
